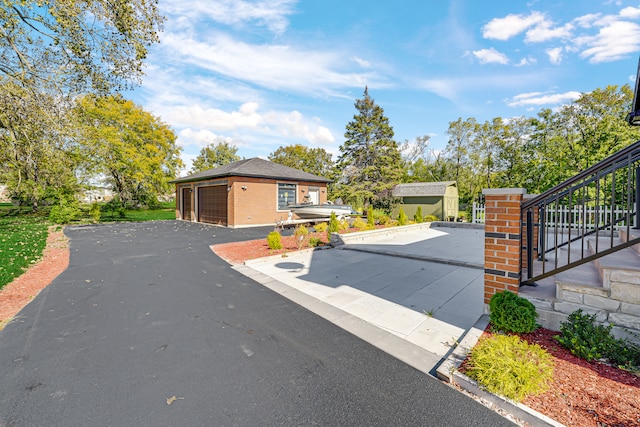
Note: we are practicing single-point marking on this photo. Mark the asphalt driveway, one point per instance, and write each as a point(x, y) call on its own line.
point(146, 312)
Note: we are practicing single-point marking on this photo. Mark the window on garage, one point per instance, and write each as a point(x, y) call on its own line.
point(286, 195)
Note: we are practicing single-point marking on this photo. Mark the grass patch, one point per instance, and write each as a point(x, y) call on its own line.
point(23, 233)
point(165, 211)
point(22, 241)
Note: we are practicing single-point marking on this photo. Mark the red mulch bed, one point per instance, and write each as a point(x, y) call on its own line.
point(239, 252)
point(585, 394)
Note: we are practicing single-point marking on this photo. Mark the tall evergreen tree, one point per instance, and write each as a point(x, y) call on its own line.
point(370, 163)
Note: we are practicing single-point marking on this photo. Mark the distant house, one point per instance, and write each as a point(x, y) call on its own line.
point(436, 198)
point(97, 194)
point(246, 193)
point(4, 194)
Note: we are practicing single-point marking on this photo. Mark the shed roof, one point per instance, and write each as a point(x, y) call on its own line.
point(422, 189)
point(255, 168)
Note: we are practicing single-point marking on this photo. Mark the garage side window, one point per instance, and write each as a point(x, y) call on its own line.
point(286, 195)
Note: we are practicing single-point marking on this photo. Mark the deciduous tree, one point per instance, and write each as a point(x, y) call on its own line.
point(136, 151)
point(214, 155)
point(76, 45)
point(39, 154)
point(313, 160)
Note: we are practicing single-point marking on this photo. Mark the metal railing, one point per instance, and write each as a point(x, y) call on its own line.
point(579, 220)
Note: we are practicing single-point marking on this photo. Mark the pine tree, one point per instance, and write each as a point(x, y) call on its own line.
point(369, 164)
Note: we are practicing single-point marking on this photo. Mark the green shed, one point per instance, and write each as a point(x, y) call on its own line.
point(436, 198)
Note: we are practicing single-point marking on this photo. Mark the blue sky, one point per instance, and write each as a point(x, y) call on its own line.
point(269, 73)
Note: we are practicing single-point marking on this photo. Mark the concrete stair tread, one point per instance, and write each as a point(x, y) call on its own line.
point(624, 259)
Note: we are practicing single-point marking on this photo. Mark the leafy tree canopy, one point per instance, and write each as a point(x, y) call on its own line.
point(214, 155)
point(39, 154)
point(313, 160)
point(75, 45)
point(136, 151)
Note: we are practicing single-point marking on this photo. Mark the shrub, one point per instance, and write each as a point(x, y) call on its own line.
point(580, 335)
point(301, 234)
point(430, 218)
point(511, 313)
point(67, 210)
point(371, 220)
point(95, 212)
point(583, 337)
point(402, 217)
point(417, 217)
point(511, 367)
point(321, 227)
point(274, 240)
point(384, 219)
point(314, 242)
point(343, 224)
point(360, 224)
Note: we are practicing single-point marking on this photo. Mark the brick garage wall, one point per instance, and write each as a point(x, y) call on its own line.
point(257, 205)
point(502, 245)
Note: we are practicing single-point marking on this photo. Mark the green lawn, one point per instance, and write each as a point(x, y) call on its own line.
point(166, 211)
point(23, 234)
point(23, 237)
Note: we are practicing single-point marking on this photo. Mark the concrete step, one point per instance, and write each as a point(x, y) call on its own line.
point(625, 260)
point(633, 234)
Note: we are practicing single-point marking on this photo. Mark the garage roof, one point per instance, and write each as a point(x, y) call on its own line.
point(422, 189)
point(255, 168)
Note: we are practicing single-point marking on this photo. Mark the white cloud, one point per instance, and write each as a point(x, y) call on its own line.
point(200, 138)
point(555, 55)
point(529, 60)
point(540, 98)
point(511, 25)
point(589, 20)
point(277, 67)
point(271, 14)
point(361, 62)
point(202, 125)
point(490, 56)
point(544, 32)
point(630, 12)
point(614, 41)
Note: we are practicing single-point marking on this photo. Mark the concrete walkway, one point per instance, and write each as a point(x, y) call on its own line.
point(413, 294)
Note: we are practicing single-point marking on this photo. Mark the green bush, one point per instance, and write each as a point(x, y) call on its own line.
point(343, 225)
point(274, 240)
point(334, 226)
point(67, 210)
point(300, 233)
point(384, 219)
point(95, 212)
point(417, 217)
point(430, 218)
point(402, 217)
point(314, 242)
point(511, 367)
point(322, 227)
point(583, 337)
point(371, 220)
point(360, 224)
point(511, 313)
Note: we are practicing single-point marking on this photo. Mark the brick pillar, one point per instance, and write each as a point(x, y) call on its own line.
point(502, 246)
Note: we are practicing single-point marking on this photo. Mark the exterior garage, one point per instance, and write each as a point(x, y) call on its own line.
point(212, 204)
point(251, 192)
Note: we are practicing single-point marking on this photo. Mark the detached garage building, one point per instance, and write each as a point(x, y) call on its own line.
point(246, 193)
point(436, 198)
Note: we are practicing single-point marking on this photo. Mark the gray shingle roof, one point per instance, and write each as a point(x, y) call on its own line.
point(421, 189)
point(255, 168)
